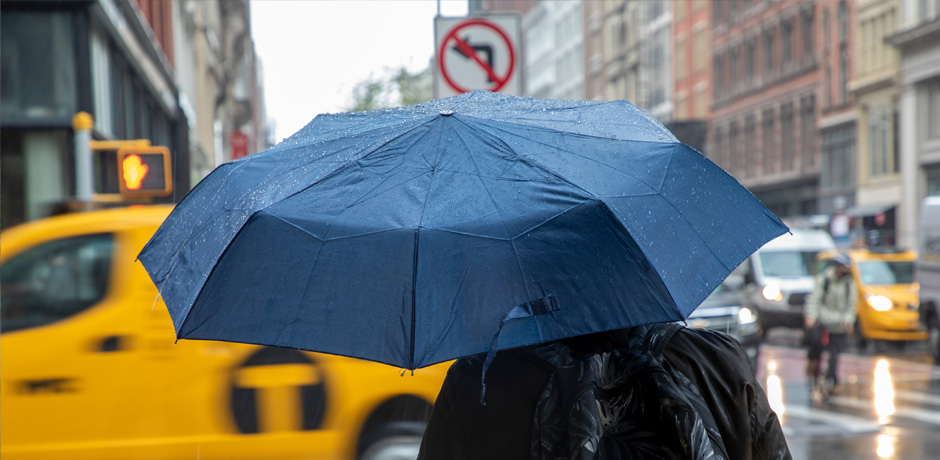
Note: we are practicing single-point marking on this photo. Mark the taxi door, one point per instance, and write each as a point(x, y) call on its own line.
point(72, 382)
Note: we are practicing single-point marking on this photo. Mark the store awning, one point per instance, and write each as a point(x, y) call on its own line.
point(869, 210)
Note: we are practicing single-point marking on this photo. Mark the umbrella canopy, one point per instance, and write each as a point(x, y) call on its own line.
point(411, 236)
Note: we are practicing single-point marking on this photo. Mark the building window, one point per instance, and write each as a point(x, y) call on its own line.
point(768, 144)
point(843, 22)
point(654, 10)
point(865, 43)
point(719, 81)
point(843, 74)
point(701, 105)
point(37, 66)
point(787, 40)
point(750, 58)
point(733, 69)
point(808, 130)
point(716, 149)
point(787, 150)
point(700, 46)
point(807, 26)
point(750, 146)
point(680, 58)
point(717, 8)
point(768, 51)
point(881, 134)
point(933, 109)
point(735, 159)
point(838, 151)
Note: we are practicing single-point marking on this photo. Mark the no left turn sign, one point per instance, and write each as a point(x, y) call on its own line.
point(478, 53)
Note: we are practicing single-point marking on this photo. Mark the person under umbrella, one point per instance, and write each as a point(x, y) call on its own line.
point(655, 391)
point(467, 225)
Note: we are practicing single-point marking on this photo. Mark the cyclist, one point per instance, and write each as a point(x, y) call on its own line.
point(830, 313)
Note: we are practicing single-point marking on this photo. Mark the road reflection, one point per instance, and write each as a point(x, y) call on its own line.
point(886, 443)
point(884, 391)
point(775, 390)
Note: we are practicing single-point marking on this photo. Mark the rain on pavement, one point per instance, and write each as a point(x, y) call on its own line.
point(887, 404)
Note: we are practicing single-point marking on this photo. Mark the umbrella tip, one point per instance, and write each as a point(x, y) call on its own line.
point(446, 113)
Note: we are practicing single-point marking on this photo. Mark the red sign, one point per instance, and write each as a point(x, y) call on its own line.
point(239, 144)
point(476, 47)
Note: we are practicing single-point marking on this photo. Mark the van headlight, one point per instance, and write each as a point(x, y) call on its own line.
point(746, 316)
point(772, 292)
point(879, 302)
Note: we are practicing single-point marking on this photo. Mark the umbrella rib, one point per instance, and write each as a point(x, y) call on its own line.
point(344, 166)
point(540, 166)
point(616, 220)
point(686, 219)
point(523, 159)
point(502, 220)
point(349, 115)
point(414, 272)
point(538, 127)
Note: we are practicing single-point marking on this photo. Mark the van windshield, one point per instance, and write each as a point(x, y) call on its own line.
point(880, 272)
point(787, 264)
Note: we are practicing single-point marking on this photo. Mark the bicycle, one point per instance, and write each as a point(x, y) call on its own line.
point(822, 384)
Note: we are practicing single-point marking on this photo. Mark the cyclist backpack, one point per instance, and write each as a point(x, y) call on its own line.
point(627, 403)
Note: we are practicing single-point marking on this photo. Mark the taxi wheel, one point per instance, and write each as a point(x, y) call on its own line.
point(933, 340)
point(861, 342)
point(394, 441)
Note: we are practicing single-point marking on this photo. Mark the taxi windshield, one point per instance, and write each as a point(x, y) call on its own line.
point(881, 272)
point(787, 264)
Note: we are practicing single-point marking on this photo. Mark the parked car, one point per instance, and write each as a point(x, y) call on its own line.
point(887, 294)
point(779, 276)
point(726, 310)
point(91, 371)
point(927, 272)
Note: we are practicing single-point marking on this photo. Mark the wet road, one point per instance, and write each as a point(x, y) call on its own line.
point(887, 405)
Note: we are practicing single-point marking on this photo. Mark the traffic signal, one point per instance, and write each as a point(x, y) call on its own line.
point(144, 171)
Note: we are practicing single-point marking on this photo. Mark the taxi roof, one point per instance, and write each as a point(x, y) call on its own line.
point(863, 254)
point(111, 219)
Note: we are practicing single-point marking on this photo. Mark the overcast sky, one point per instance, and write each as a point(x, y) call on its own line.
point(315, 51)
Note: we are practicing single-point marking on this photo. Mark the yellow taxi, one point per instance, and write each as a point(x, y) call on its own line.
point(91, 370)
point(887, 294)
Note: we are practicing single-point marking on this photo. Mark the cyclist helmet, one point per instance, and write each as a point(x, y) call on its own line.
point(841, 259)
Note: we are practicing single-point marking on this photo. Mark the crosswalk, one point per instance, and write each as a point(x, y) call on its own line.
point(876, 392)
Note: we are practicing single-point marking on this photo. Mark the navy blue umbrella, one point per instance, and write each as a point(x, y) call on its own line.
point(413, 236)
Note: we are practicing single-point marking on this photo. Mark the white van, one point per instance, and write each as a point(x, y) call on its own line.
point(779, 276)
point(927, 272)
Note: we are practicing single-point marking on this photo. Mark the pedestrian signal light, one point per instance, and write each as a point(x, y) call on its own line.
point(144, 171)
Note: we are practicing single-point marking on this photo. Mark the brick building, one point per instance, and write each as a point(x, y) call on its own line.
point(767, 69)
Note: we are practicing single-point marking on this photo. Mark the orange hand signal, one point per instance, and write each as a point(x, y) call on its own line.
point(134, 171)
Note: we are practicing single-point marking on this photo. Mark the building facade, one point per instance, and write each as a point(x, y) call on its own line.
point(691, 66)
point(58, 59)
point(554, 50)
point(918, 41)
point(621, 50)
point(691, 72)
point(178, 74)
point(764, 111)
point(656, 54)
point(875, 88)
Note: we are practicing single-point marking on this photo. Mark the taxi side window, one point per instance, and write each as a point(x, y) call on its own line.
point(54, 281)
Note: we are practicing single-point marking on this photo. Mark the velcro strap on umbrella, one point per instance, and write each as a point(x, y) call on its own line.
point(529, 309)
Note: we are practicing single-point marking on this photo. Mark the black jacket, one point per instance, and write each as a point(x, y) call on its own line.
point(462, 428)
